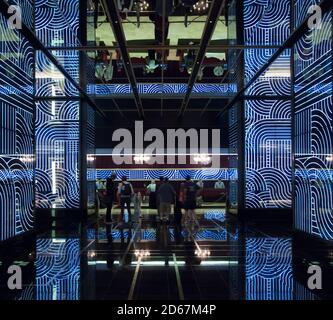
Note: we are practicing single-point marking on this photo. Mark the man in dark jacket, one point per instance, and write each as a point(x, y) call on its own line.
point(110, 196)
point(167, 195)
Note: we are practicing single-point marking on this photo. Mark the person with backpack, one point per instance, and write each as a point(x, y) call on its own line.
point(191, 190)
point(125, 193)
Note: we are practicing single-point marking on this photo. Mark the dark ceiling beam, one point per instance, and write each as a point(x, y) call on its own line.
point(37, 45)
point(325, 5)
point(111, 10)
point(212, 18)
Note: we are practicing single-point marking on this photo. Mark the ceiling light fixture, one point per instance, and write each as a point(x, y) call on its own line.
point(200, 6)
point(143, 5)
point(142, 253)
point(202, 159)
point(202, 253)
point(141, 158)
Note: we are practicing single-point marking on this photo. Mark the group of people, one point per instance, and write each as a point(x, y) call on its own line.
point(162, 196)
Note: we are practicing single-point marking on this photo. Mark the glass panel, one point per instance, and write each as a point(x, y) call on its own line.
point(16, 127)
point(57, 22)
point(50, 82)
point(57, 146)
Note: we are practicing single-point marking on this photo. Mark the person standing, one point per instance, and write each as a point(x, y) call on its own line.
point(167, 196)
point(151, 190)
point(125, 192)
point(190, 200)
point(110, 195)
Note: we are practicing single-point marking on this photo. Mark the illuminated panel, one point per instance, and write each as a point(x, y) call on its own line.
point(268, 268)
point(267, 122)
point(50, 82)
point(58, 269)
point(57, 147)
point(144, 235)
point(275, 81)
point(266, 22)
point(175, 174)
point(57, 121)
point(233, 149)
point(268, 153)
point(16, 132)
point(57, 22)
point(314, 129)
point(91, 160)
point(27, 10)
point(157, 88)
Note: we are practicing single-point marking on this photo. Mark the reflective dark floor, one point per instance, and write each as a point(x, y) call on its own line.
point(220, 259)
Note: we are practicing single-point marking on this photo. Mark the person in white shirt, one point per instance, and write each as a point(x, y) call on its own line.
point(219, 184)
point(151, 190)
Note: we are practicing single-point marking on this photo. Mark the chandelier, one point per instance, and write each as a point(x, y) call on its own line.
point(202, 159)
point(200, 6)
point(141, 158)
point(142, 253)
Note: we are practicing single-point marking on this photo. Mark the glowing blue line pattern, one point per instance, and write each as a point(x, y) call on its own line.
point(50, 82)
point(267, 122)
point(57, 121)
point(28, 293)
point(218, 215)
point(145, 235)
point(268, 268)
point(266, 22)
point(57, 145)
point(314, 128)
point(91, 162)
point(275, 81)
point(16, 127)
point(58, 269)
point(219, 234)
point(158, 88)
point(234, 127)
point(57, 22)
point(268, 153)
point(176, 174)
point(303, 293)
point(27, 11)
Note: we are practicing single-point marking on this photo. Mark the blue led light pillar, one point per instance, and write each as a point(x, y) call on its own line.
point(267, 108)
point(16, 129)
point(313, 127)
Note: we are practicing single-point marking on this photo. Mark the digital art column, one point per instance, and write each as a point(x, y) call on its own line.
point(16, 128)
point(268, 162)
point(57, 107)
point(313, 127)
